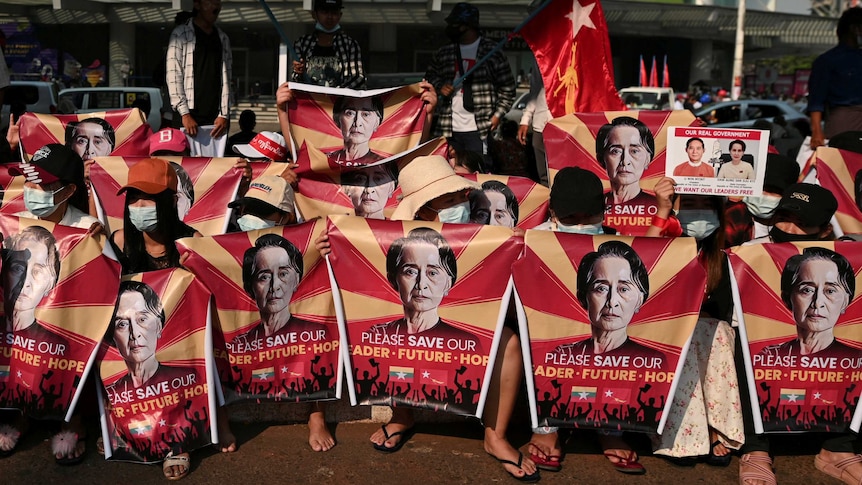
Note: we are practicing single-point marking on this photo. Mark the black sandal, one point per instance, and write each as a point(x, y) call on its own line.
point(714, 460)
point(532, 478)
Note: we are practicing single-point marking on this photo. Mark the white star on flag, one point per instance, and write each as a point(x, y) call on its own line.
point(817, 395)
point(792, 397)
point(426, 374)
point(581, 17)
point(609, 393)
point(162, 422)
point(583, 395)
point(401, 376)
point(284, 369)
point(19, 374)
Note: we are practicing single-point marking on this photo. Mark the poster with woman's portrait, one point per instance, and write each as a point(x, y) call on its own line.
point(53, 315)
point(423, 307)
point(799, 314)
point(607, 327)
point(278, 337)
point(156, 393)
point(356, 128)
point(122, 132)
point(12, 190)
point(840, 172)
point(205, 186)
point(508, 201)
point(625, 149)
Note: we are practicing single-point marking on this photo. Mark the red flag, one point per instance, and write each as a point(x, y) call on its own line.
point(653, 75)
point(643, 76)
point(570, 41)
point(665, 76)
point(434, 377)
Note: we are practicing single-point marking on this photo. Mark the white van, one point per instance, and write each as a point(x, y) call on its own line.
point(90, 100)
point(37, 96)
point(648, 98)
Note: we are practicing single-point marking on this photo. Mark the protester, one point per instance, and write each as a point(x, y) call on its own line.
point(507, 153)
point(247, 122)
point(328, 57)
point(269, 202)
point(169, 142)
point(536, 115)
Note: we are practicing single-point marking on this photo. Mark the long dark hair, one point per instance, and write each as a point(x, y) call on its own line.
point(170, 226)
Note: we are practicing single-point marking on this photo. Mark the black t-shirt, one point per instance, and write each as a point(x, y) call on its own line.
point(207, 76)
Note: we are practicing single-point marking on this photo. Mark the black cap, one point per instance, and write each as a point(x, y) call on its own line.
point(850, 141)
point(781, 172)
point(576, 191)
point(328, 5)
point(812, 205)
point(51, 163)
point(465, 14)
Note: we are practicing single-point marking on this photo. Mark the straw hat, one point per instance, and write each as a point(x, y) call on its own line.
point(423, 180)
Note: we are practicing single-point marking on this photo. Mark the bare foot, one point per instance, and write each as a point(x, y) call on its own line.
point(319, 436)
point(615, 448)
point(402, 420)
point(756, 463)
point(69, 444)
point(178, 468)
point(850, 473)
point(719, 449)
point(545, 446)
point(226, 439)
point(502, 450)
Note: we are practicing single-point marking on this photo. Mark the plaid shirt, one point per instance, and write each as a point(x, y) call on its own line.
point(181, 67)
point(493, 87)
point(348, 52)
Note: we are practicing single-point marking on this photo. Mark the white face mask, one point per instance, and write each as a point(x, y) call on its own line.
point(457, 214)
point(698, 223)
point(40, 203)
point(249, 222)
point(323, 29)
point(763, 206)
point(146, 219)
point(591, 229)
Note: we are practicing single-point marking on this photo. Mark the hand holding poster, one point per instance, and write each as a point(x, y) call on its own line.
point(607, 329)
point(154, 365)
point(54, 319)
point(710, 161)
point(840, 172)
point(799, 319)
point(278, 338)
point(422, 308)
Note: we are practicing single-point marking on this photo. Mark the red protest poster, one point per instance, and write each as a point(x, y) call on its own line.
point(625, 149)
point(801, 334)
point(840, 172)
point(508, 201)
point(121, 132)
point(153, 365)
point(54, 316)
point(205, 187)
point(422, 306)
point(606, 324)
point(13, 191)
point(278, 337)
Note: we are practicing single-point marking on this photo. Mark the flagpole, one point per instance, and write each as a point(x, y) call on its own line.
point(736, 89)
point(500, 44)
point(278, 29)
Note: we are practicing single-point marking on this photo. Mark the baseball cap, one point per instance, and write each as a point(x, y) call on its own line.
point(781, 172)
point(169, 139)
point(465, 14)
point(51, 163)
point(266, 194)
point(850, 141)
point(151, 176)
point(576, 191)
point(813, 205)
point(266, 144)
point(328, 5)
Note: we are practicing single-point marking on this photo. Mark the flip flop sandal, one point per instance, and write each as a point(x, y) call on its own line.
point(838, 469)
point(759, 469)
point(626, 465)
point(405, 437)
point(65, 443)
point(181, 461)
point(532, 478)
point(714, 460)
point(548, 464)
point(9, 437)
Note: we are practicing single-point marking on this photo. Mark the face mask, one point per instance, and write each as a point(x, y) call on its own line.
point(249, 222)
point(457, 214)
point(780, 236)
point(39, 202)
point(762, 207)
point(453, 33)
point(698, 223)
point(320, 28)
point(591, 229)
point(144, 219)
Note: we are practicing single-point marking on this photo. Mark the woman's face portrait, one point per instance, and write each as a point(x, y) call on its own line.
point(626, 157)
point(359, 121)
point(818, 299)
point(422, 280)
point(736, 152)
point(612, 296)
point(90, 141)
point(34, 274)
point(274, 280)
point(368, 189)
point(136, 328)
point(490, 208)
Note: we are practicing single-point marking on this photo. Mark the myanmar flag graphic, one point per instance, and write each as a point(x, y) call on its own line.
point(140, 427)
point(401, 373)
point(794, 397)
point(264, 374)
point(582, 393)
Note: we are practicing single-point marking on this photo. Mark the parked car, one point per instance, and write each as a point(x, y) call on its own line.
point(743, 113)
point(38, 96)
point(645, 98)
point(517, 109)
point(90, 100)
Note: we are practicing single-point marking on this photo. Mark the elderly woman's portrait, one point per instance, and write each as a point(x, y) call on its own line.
point(358, 119)
point(92, 137)
point(625, 147)
point(817, 286)
point(135, 330)
point(185, 191)
point(494, 205)
point(612, 286)
point(369, 189)
point(31, 268)
point(422, 268)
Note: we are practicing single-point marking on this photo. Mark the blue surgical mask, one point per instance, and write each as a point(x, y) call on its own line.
point(457, 214)
point(249, 222)
point(40, 203)
point(698, 223)
point(145, 219)
point(319, 27)
point(763, 206)
point(591, 229)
